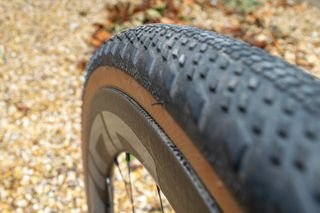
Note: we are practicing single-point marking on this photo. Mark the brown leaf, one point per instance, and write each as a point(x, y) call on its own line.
point(95, 42)
point(102, 35)
point(98, 26)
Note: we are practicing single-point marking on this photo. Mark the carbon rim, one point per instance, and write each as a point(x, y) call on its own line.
point(100, 159)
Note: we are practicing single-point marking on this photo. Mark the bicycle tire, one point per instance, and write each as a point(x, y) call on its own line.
point(247, 122)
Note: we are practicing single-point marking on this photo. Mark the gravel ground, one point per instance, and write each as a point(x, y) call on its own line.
point(41, 43)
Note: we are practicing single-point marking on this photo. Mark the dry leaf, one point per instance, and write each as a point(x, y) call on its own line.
point(95, 42)
point(102, 35)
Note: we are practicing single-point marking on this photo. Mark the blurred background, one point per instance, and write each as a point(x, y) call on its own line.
point(44, 49)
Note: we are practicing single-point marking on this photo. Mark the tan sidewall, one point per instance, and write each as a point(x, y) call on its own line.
point(111, 77)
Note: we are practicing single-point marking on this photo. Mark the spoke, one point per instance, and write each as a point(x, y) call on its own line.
point(122, 176)
point(130, 187)
point(159, 194)
point(130, 184)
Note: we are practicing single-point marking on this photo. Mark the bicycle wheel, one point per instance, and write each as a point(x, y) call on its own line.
point(219, 125)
